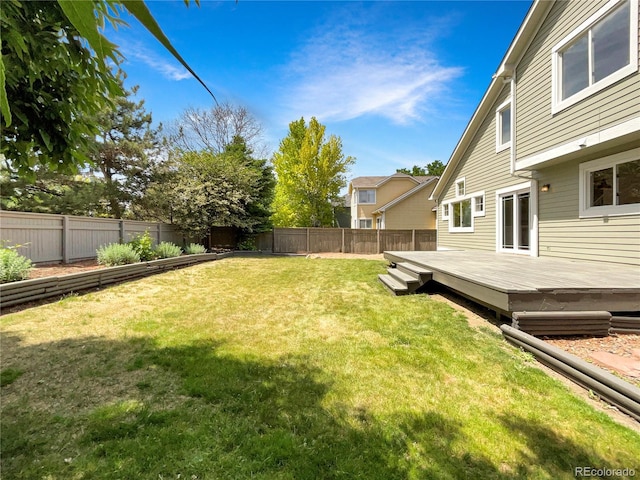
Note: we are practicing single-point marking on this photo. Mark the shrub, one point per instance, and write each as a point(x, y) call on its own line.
point(194, 248)
point(142, 244)
point(168, 250)
point(13, 266)
point(117, 254)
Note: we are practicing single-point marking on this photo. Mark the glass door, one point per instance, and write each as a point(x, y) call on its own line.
point(515, 222)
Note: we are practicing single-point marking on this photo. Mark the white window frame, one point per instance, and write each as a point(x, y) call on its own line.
point(532, 188)
point(445, 211)
point(367, 190)
point(365, 219)
point(584, 192)
point(450, 205)
point(461, 185)
point(500, 145)
point(557, 104)
point(479, 212)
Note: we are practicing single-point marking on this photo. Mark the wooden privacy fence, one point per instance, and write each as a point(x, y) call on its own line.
point(66, 238)
point(344, 240)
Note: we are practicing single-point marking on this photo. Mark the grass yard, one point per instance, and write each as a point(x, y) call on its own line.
point(282, 368)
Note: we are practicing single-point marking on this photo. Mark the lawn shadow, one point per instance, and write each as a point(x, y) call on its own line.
point(558, 456)
point(102, 408)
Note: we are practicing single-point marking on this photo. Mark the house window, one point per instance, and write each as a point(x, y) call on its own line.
point(365, 223)
point(597, 54)
point(366, 196)
point(460, 188)
point(445, 211)
point(462, 214)
point(503, 126)
point(611, 185)
point(478, 206)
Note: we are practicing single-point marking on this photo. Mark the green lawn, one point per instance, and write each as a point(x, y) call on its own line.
point(282, 368)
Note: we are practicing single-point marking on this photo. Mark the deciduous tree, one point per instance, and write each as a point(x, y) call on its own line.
point(310, 169)
point(434, 168)
point(214, 129)
point(55, 74)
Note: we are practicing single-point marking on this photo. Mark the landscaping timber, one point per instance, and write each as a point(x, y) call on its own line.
point(16, 293)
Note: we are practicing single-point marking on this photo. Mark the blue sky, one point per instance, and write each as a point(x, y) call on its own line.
point(397, 81)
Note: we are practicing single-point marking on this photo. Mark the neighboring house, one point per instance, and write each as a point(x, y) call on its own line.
point(342, 212)
point(398, 201)
point(549, 164)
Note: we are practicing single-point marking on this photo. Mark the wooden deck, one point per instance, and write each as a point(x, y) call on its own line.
point(508, 283)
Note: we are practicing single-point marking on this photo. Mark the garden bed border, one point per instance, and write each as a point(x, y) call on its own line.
point(24, 291)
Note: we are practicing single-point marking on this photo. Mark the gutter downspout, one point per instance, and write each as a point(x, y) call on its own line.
point(533, 244)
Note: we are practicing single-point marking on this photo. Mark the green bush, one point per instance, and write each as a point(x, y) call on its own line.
point(194, 248)
point(142, 244)
point(117, 254)
point(13, 266)
point(167, 250)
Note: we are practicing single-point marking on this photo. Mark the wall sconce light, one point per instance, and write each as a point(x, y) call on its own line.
point(545, 187)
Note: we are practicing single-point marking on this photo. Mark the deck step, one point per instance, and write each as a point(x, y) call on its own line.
point(402, 276)
point(395, 286)
point(417, 272)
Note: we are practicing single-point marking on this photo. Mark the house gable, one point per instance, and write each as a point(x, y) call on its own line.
point(542, 171)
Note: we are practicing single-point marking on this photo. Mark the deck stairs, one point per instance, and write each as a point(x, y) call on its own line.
point(405, 278)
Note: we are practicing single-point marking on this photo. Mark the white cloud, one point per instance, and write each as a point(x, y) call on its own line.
point(347, 72)
point(166, 68)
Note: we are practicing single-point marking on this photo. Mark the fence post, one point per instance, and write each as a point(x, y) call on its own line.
point(66, 241)
point(413, 239)
point(342, 245)
point(122, 232)
point(378, 241)
point(308, 242)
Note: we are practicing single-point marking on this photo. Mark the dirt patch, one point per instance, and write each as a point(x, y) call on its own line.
point(55, 270)
point(374, 256)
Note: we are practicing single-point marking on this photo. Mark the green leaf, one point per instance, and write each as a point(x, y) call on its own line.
point(83, 17)
point(4, 102)
point(139, 10)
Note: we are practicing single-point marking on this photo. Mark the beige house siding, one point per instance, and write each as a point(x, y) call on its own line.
point(563, 234)
point(483, 170)
point(385, 193)
point(414, 211)
point(537, 128)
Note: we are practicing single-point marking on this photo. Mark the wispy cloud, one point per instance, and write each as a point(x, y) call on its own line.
point(166, 68)
point(348, 71)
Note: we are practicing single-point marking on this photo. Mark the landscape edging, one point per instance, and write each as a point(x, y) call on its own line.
point(24, 291)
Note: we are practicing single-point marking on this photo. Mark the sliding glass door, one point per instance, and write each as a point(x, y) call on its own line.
point(514, 233)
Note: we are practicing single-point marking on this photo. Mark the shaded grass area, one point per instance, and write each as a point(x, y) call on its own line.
point(282, 368)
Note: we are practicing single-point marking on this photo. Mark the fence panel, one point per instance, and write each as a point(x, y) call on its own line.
point(325, 240)
point(361, 241)
point(85, 235)
point(290, 240)
point(49, 238)
point(39, 233)
point(170, 233)
point(223, 237)
point(426, 240)
point(396, 240)
point(264, 241)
